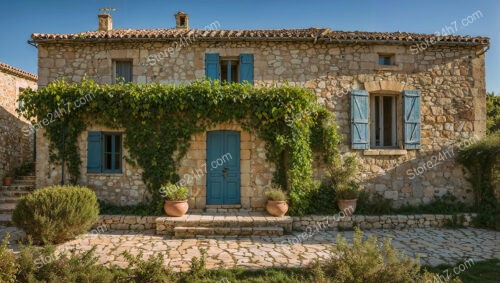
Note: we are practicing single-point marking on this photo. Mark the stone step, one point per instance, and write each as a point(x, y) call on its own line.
point(17, 188)
point(6, 219)
point(247, 220)
point(228, 221)
point(7, 207)
point(188, 232)
point(223, 208)
point(8, 200)
point(12, 193)
point(27, 177)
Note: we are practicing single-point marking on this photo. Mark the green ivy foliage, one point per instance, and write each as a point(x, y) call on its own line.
point(482, 159)
point(159, 121)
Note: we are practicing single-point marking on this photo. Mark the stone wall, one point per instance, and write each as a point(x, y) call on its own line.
point(365, 222)
point(451, 80)
point(16, 142)
point(310, 224)
point(125, 188)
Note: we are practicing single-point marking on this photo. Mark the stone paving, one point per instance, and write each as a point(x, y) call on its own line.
point(435, 246)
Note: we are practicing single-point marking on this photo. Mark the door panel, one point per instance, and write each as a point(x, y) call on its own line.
point(223, 167)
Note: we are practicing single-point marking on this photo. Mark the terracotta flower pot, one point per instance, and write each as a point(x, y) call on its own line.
point(176, 208)
point(347, 206)
point(7, 181)
point(277, 207)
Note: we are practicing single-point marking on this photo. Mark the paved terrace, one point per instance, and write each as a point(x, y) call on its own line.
point(433, 245)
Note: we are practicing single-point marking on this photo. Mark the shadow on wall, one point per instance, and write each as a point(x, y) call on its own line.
point(419, 179)
point(16, 146)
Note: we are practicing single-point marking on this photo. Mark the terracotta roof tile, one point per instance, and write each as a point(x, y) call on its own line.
point(310, 34)
point(18, 72)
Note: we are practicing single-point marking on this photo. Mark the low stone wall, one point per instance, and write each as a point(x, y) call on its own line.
point(302, 223)
point(127, 222)
point(366, 222)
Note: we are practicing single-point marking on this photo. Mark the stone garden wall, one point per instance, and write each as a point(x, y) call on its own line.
point(16, 142)
point(451, 80)
point(312, 223)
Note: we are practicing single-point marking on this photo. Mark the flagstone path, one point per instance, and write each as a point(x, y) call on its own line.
point(434, 246)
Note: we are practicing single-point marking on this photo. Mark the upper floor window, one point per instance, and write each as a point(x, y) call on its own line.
point(386, 59)
point(122, 71)
point(229, 69)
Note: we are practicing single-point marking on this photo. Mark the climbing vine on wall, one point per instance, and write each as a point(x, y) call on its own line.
point(160, 119)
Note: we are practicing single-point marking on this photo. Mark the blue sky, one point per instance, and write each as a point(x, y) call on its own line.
point(20, 18)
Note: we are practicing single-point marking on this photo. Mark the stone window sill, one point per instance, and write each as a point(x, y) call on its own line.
point(105, 174)
point(381, 152)
point(387, 68)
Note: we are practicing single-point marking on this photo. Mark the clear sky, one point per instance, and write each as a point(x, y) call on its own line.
point(20, 18)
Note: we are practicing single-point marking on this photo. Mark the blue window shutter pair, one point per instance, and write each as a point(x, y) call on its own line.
point(94, 150)
point(360, 113)
point(212, 67)
point(246, 68)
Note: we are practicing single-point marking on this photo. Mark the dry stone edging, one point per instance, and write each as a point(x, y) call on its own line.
point(259, 224)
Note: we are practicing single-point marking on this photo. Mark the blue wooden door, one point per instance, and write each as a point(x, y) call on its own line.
point(223, 167)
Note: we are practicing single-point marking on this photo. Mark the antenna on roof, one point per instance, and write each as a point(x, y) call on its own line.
point(106, 10)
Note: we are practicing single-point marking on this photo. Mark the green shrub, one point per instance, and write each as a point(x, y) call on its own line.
point(366, 261)
point(56, 214)
point(374, 204)
point(347, 191)
point(482, 159)
point(492, 113)
point(142, 209)
point(8, 264)
point(174, 192)
point(40, 264)
point(275, 194)
point(150, 270)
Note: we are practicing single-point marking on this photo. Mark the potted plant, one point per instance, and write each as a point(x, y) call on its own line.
point(276, 202)
point(9, 177)
point(347, 197)
point(346, 189)
point(175, 199)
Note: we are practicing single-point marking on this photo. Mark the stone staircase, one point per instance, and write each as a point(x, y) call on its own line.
point(9, 195)
point(223, 224)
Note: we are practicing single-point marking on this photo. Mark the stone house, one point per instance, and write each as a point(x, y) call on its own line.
point(16, 143)
point(401, 101)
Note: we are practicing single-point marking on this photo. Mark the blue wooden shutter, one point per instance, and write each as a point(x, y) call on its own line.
point(359, 119)
point(411, 112)
point(94, 152)
point(212, 66)
point(246, 68)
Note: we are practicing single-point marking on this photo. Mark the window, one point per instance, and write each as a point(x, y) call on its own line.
point(386, 59)
point(382, 120)
point(229, 69)
point(123, 71)
point(383, 126)
point(104, 152)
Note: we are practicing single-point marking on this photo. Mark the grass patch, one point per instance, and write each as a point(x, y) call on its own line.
point(487, 271)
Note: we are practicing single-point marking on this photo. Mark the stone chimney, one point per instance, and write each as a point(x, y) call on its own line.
point(181, 20)
point(105, 22)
